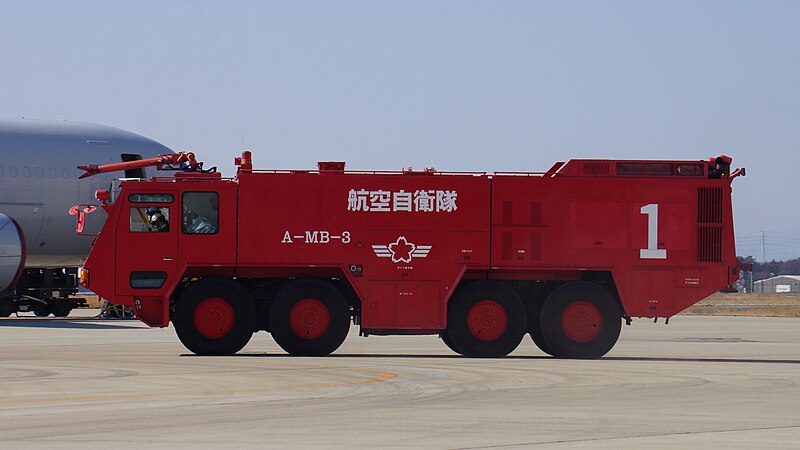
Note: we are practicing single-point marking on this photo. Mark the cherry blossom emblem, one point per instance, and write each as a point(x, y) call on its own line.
point(401, 250)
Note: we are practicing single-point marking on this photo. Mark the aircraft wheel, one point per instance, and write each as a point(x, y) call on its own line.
point(580, 320)
point(61, 308)
point(486, 319)
point(6, 307)
point(309, 317)
point(215, 317)
point(42, 312)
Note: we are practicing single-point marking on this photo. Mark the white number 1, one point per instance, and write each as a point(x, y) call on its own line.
point(652, 251)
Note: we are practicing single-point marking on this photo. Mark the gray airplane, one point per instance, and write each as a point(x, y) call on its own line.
point(39, 248)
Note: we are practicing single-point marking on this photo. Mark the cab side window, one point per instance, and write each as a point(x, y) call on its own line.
point(200, 213)
point(146, 219)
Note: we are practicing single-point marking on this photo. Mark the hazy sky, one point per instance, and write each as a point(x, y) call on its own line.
point(457, 85)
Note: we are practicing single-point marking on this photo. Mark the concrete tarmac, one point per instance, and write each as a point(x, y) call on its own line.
point(699, 382)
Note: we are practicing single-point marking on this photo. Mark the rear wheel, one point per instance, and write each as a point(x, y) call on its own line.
point(449, 342)
point(42, 312)
point(309, 317)
point(485, 319)
point(580, 320)
point(215, 317)
point(535, 328)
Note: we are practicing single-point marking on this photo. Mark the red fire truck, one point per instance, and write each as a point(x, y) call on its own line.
point(479, 259)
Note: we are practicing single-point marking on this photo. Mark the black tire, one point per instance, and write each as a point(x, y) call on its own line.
point(580, 320)
point(488, 334)
point(535, 328)
point(42, 312)
point(449, 342)
point(6, 307)
point(215, 317)
point(61, 308)
point(309, 317)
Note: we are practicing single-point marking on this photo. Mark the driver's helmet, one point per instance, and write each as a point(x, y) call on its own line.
point(155, 215)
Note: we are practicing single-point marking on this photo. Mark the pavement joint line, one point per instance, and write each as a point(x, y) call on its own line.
point(382, 377)
point(636, 436)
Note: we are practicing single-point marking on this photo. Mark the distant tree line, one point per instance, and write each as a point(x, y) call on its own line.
point(763, 270)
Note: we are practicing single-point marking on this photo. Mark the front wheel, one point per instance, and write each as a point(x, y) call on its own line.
point(309, 317)
point(580, 320)
point(215, 317)
point(485, 319)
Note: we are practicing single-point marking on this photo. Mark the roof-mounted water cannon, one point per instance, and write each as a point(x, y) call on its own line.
point(720, 167)
point(183, 161)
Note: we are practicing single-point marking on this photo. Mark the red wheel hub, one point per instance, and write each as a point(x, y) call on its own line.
point(214, 318)
point(581, 321)
point(309, 318)
point(487, 320)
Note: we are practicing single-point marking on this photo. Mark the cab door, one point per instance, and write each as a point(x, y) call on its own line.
point(208, 229)
point(147, 243)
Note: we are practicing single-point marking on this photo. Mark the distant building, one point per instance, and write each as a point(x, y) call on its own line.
point(778, 285)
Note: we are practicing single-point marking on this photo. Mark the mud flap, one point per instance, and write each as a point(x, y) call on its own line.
point(151, 311)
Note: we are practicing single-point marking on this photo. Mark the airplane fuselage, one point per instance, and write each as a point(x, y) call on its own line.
point(39, 181)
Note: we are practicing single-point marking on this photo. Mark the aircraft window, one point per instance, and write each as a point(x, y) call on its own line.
point(65, 173)
point(12, 171)
point(52, 173)
point(150, 219)
point(39, 172)
point(26, 172)
point(151, 198)
point(200, 213)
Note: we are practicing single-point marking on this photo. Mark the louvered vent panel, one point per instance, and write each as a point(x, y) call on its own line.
point(508, 213)
point(596, 168)
point(709, 244)
point(536, 246)
point(506, 245)
point(709, 205)
point(709, 224)
point(536, 214)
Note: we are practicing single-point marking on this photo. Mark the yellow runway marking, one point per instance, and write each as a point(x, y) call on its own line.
point(382, 376)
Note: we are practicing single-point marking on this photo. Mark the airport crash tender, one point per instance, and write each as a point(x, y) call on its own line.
point(479, 259)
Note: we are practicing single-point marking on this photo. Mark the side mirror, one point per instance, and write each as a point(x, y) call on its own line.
point(81, 211)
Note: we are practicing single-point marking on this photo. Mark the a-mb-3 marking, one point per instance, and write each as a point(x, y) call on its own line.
point(315, 237)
